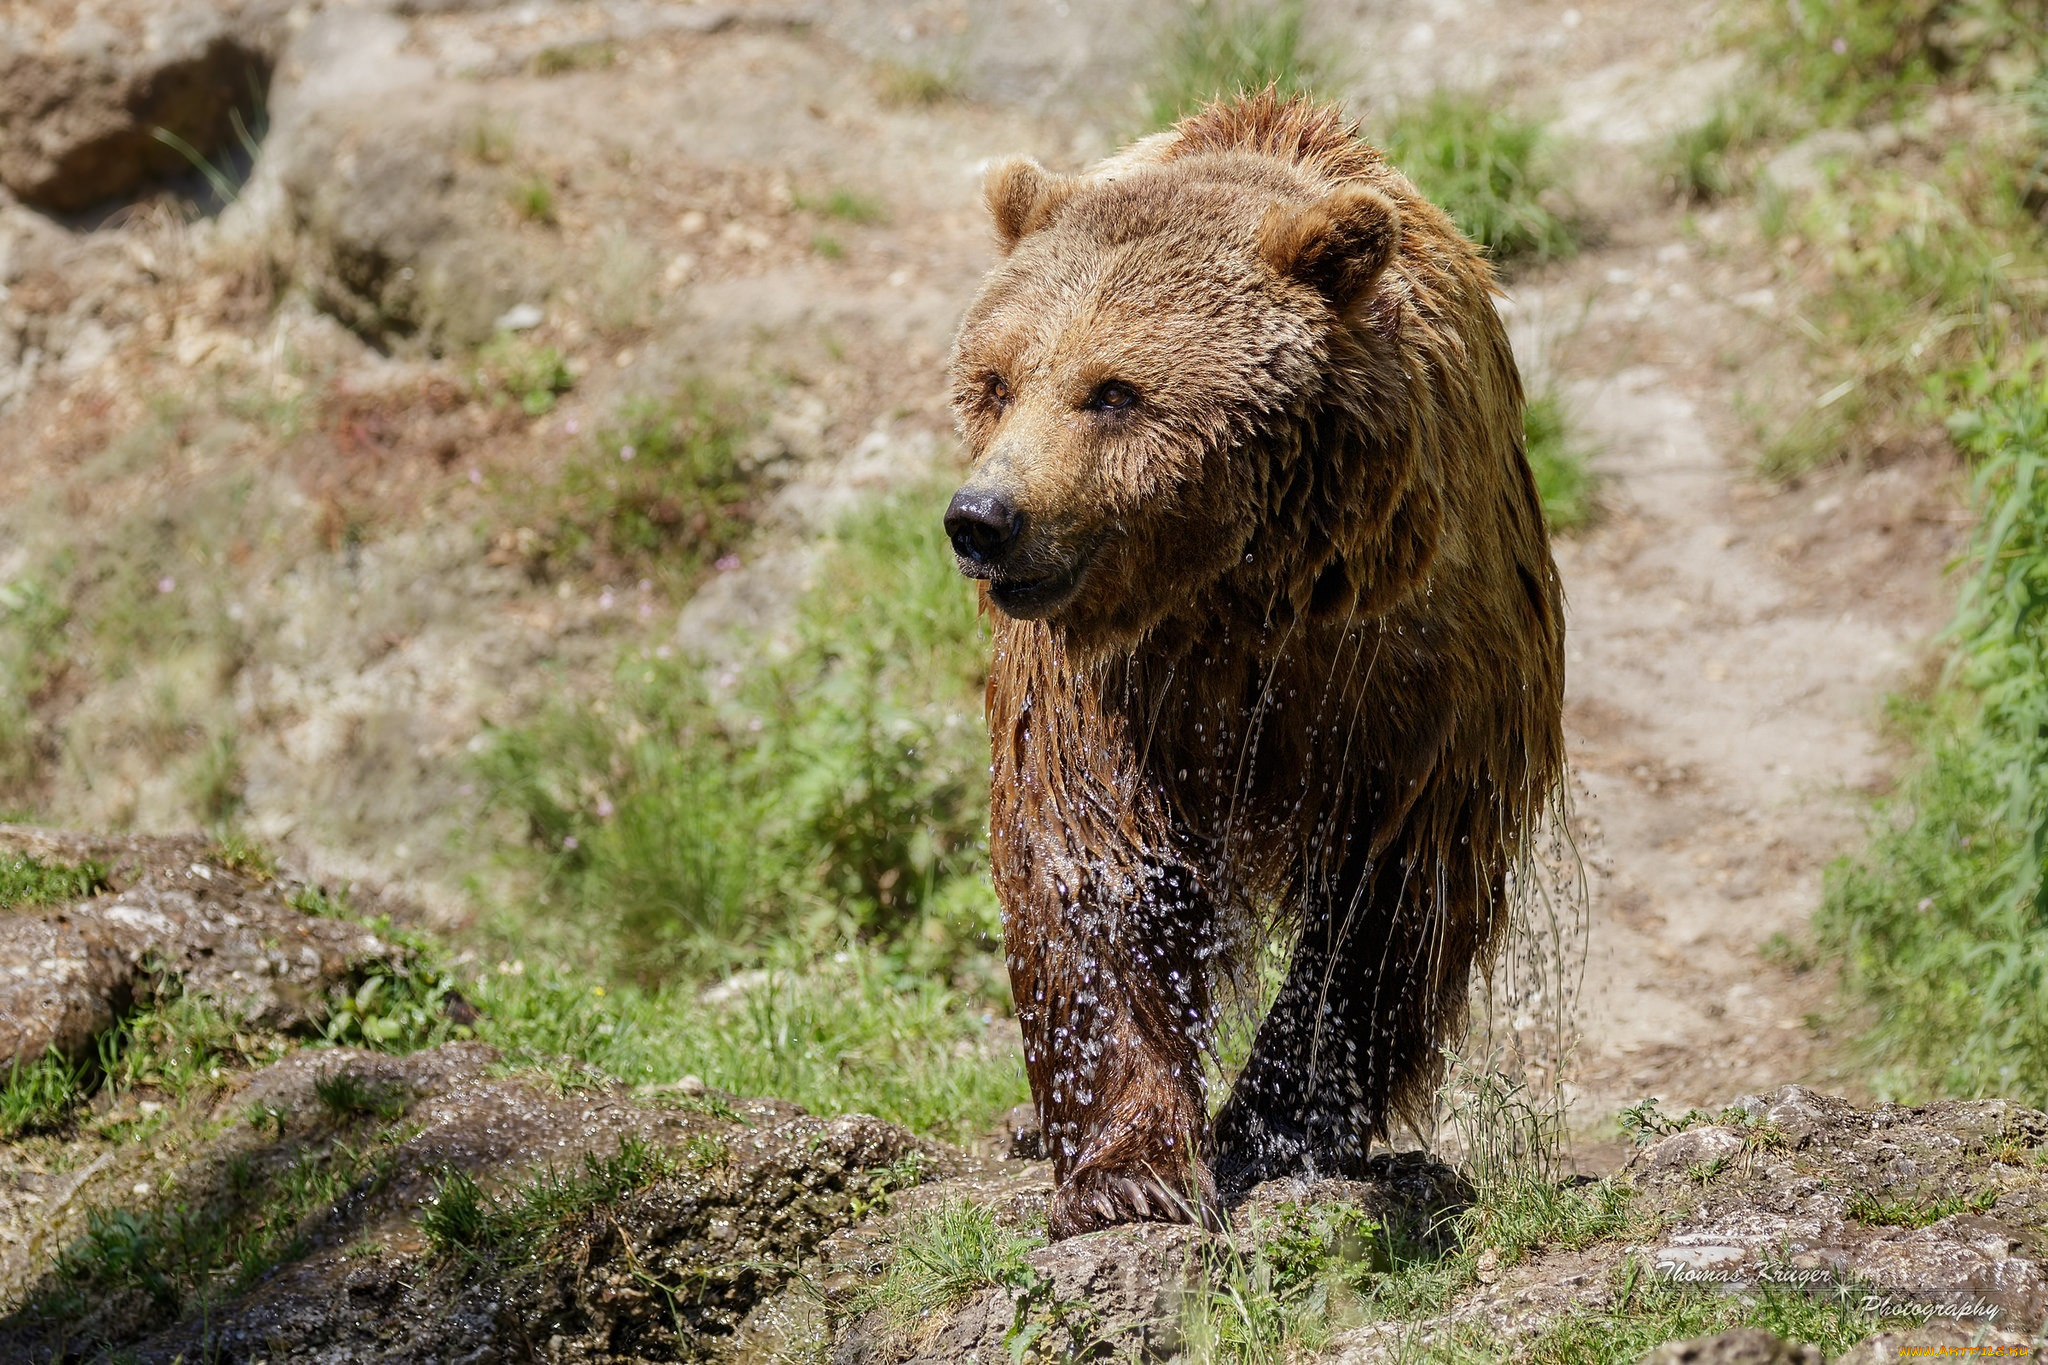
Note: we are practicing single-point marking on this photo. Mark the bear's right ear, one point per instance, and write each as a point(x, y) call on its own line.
point(1337, 245)
point(1022, 197)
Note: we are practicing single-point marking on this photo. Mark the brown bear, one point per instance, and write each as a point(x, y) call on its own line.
point(1278, 643)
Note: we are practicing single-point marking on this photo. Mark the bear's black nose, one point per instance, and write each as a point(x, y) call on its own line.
point(982, 526)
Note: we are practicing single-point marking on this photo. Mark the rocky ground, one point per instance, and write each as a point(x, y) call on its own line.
point(296, 496)
point(474, 1209)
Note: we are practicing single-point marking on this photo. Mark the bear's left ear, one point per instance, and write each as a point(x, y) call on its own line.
point(1022, 197)
point(1338, 245)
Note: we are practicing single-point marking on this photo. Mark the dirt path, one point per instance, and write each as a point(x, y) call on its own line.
point(1730, 640)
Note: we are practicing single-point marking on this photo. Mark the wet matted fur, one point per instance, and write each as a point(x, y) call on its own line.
point(1278, 642)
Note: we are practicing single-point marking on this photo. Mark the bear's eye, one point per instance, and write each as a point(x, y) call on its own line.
point(1113, 395)
point(998, 391)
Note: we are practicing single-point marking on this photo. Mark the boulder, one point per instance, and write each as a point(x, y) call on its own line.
point(84, 88)
point(177, 909)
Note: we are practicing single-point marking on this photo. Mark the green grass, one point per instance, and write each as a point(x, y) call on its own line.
point(1713, 159)
point(1926, 290)
point(39, 1096)
point(848, 206)
point(903, 86)
point(1942, 923)
point(1646, 1310)
point(1283, 1285)
point(1849, 60)
point(684, 824)
point(1564, 478)
point(839, 1035)
point(658, 493)
point(32, 657)
point(945, 1257)
point(462, 1218)
point(213, 1237)
point(511, 367)
point(1865, 1207)
point(346, 1097)
point(177, 1044)
point(533, 199)
point(26, 881)
point(1495, 173)
point(1221, 48)
point(568, 57)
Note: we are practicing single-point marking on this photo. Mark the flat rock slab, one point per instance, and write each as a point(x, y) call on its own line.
point(67, 972)
point(84, 87)
point(1942, 1209)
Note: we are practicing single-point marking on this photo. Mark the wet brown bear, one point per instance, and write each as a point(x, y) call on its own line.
point(1278, 642)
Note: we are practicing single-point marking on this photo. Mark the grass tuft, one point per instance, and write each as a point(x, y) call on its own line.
point(26, 881)
point(1493, 172)
point(347, 1096)
point(944, 1258)
point(658, 492)
point(1222, 48)
point(1564, 476)
point(38, 1096)
point(904, 86)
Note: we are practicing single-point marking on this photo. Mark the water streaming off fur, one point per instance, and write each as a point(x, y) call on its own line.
point(1222, 908)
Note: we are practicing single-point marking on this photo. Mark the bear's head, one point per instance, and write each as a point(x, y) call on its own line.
point(1146, 384)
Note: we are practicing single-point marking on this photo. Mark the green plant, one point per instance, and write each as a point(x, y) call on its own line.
point(177, 1043)
point(1494, 173)
point(225, 178)
point(529, 374)
point(1922, 301)
point(659, 491)
point(831, 789)
point(1877, 1211)
point(38, 1096)
point(534, 200)
point(27, 881)
point(1222, 48)
point(838, 1033)
point(1564, 479)
point(1706, 161)
point(236, 852)
point(458, 1216)
point(462, 1218)
point(347, 1096)
point(567, 57)
point(908, 86)
point(399, 1003)
point(945, 1257)
point(1644, 1309)
point(209, 1239)
point(848, 206)
point(32, 657)
point(1854, 59)
point(1942, 924)
point(1295, 1277)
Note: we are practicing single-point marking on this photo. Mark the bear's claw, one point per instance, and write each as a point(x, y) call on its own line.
point(1094, 1200)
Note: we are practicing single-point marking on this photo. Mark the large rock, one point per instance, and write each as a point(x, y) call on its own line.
point(734, 1198)
point(1929, 1210)
point(84, 87)
point(178, 910)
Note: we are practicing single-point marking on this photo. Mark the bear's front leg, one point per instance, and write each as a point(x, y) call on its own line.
point(1113, 1006)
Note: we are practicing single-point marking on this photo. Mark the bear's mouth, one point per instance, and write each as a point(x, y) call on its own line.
point(1034, 599)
